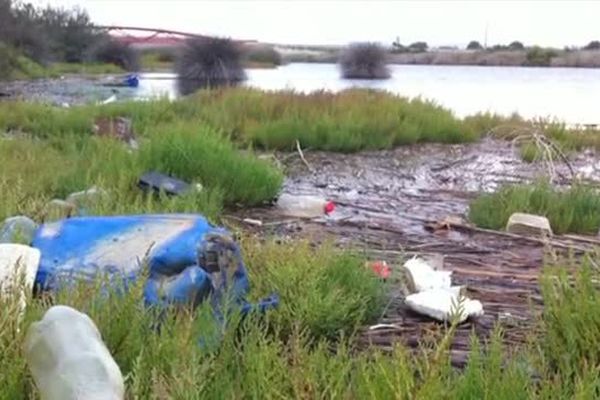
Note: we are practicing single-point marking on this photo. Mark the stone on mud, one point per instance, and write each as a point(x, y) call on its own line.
point(528, 224)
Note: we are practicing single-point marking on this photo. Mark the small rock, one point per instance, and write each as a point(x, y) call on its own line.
point(18, 268)
point(19, 229)
point(528, 224)
point(58, 209)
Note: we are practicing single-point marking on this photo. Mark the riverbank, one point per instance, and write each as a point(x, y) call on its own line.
point(530, 57)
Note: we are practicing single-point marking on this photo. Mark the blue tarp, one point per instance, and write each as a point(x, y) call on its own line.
point(187, 259)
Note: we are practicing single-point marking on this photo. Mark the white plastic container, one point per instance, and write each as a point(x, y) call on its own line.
point(302, 206)
point(69, 361)
point(18, 266)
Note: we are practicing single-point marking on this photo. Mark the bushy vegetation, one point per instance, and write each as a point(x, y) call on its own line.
point(474, 45)
point(364, 61)
point(573, 210)
point(47, 34)
point(280, 355)
point(208, 63)
point(110, 51)
point(540, 57)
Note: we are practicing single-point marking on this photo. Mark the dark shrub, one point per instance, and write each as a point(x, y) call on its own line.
point(539, 57)
point(593, 45)
point(112, 52)
point(474, 45)
point(418, 47)
point(263, 54)
point(516, 45)
point(209, 62)
point(364, 61)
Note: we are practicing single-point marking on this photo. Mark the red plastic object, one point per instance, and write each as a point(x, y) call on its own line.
point(329, 207)
point(381, 269)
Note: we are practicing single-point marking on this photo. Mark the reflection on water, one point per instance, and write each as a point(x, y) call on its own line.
point(568, 94)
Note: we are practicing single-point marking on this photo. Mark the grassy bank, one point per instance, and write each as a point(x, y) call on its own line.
point(348, 121)
point(576, 210)
point(305, 349)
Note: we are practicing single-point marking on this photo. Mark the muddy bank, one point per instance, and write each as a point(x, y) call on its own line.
point(70, 90)
point(386, 201)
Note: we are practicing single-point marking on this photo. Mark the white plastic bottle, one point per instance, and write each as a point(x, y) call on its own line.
point(69, 361)
point(303, 206)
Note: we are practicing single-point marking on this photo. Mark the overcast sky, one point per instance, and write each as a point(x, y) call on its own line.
point(548, 23)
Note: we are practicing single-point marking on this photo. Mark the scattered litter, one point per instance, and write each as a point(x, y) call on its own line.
point(528, 224)
point(444, 303)
point(384, 326)
point(423, 277)
point(19, 229)
point(116, 127)
point(109, 100)
point(69, 360)
point(157, 182)
point(87, 198)
point(251, 221)
point(380, 268)
point(302, 206)
point(18, 268)
point(58, 209)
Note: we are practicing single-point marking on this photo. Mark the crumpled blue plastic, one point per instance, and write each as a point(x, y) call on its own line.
point(173, 249)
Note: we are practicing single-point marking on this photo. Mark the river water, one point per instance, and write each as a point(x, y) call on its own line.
point(567, 94)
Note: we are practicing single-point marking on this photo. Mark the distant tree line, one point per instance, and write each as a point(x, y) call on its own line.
point(53, 34)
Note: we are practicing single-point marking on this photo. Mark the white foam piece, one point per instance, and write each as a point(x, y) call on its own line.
point(424, 277)
point(441, 304)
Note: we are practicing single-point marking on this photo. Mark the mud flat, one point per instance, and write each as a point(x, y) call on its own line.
point(413, 200)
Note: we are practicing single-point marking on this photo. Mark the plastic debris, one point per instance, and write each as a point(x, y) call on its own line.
point(301, 206)
point(188, 259)
point(18, 268)
point(528, 224)
point(116, 127)
point(58, 209)
point(87, 198)
point(155, 181)
point(68, 359)
point(19, 229)
point(423, 276)
point(380, 268)
point(443, 304)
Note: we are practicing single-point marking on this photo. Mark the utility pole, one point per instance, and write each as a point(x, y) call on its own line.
point(486, 36)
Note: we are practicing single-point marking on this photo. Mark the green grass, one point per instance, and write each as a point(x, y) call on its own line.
point(348, 121)
point(575, 210)
point(281, 355)
point(57, 69)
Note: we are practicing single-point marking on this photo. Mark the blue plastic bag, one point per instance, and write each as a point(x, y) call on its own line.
point(132, 81)
point(188, 260)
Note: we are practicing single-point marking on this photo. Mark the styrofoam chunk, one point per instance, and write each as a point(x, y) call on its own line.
point(424, 277)
point(441, 304)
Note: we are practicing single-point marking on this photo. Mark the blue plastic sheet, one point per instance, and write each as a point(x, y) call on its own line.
point(188, 260)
